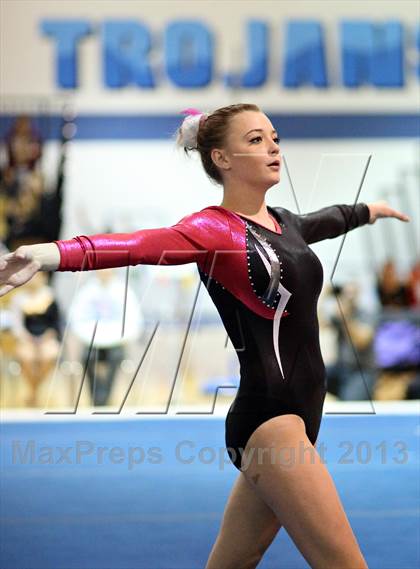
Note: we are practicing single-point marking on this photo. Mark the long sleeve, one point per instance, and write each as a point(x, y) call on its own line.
point(188, 241)
point(331, 221)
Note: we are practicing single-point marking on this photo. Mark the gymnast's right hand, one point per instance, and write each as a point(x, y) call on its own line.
point(17, 268)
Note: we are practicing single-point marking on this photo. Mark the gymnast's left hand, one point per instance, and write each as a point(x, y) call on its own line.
point(383, 209)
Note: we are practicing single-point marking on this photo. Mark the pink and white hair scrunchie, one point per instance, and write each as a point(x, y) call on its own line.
point(190, 125)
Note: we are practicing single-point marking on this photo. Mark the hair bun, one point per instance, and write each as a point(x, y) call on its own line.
point(188, 131)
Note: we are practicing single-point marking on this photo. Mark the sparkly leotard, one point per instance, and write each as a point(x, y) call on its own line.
point(265, 285)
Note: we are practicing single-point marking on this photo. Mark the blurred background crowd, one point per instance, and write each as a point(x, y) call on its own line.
point(50, 357)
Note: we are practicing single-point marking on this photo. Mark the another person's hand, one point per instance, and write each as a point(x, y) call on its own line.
point(17, 268)
point(382, 209)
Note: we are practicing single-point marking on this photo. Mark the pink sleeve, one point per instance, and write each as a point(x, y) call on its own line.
point(188, 241)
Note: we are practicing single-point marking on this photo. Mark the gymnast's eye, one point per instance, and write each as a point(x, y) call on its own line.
point(276, 139)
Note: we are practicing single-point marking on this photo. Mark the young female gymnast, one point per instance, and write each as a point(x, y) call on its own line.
point(265, 280)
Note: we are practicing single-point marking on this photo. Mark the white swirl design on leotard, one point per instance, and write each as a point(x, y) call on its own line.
point(272, 268)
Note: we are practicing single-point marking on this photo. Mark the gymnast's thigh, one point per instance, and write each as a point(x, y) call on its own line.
point(248, 528)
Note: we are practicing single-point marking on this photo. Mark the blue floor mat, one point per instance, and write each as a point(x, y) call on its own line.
point(61, 510)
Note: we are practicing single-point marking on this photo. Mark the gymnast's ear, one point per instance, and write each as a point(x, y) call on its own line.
point(220, 158)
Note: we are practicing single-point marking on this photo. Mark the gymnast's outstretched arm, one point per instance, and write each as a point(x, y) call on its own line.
point(331, 221)
point(189, 240)
point(175, 245)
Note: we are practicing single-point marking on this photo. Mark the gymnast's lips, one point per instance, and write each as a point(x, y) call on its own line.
point(275, 163)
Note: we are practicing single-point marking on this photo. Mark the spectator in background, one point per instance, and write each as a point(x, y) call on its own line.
point(23, 144)
point(352, 376)
point(104, 302)
point(391, 290)
point(36, 327)
point(396, 344)
point(23, 204)
point(30, 212)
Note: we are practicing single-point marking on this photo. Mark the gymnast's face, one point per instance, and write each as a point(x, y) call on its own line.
point(252, 145)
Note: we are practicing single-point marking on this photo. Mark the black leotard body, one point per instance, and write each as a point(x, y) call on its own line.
point(265, 285)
